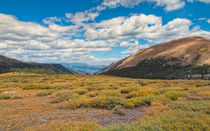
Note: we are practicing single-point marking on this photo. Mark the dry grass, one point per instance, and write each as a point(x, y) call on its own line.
point(46, 100)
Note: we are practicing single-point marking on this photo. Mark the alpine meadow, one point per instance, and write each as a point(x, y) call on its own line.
point(105, 65)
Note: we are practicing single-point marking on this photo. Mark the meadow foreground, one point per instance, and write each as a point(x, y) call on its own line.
point(41, 102)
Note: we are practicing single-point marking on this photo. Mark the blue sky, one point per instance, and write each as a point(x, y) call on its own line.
point(95, 31)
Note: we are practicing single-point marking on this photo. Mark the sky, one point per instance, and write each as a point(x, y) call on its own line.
point(96, 32)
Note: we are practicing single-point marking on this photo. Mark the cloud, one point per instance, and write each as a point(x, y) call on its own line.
point(12, 29)
point(141, 26)
point(208, 21)
point(80, 17)
point(204, 1)
point(133, 46)
point(30, 41)
point(203, 18)
point(168, 5)
point(52, 20)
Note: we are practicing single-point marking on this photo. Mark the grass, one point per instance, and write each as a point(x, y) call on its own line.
point(46, 93)
point(4, 97)
point(166, 104)
point(64, 126)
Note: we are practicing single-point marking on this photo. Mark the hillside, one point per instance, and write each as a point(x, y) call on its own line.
point(8, 63)
point(187, 57)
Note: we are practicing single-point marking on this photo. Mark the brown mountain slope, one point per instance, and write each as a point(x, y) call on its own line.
point(7, 63)
point(179, 58)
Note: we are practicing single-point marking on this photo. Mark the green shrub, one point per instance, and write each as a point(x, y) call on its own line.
point(147, 100)
point(129, 104)
point(111, 93)
point(4, 97)
point(195, 106)
point(138, 101)
point(161, 91)
point(80, 91)
point(32, 87)
point(113, 101)
point(177, 120)
point(98, 102)
point(129, 127)
point(63, 125)
point(95, 102)
point(166, 121)
point(119, 109)
point(45, 93)
point(141, 83)
point(17, 97)
point(140, 92)
point(128, 90)
point(32, 70)
point(173, 95)
point(64, 97)
point(92, 93)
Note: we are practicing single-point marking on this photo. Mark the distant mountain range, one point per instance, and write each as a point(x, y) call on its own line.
point(82, 68)
point(7, 63)
point(182, 58)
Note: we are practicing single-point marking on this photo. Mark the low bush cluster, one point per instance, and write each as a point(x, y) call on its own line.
point(33, 87)
point(46, 93)
point(95, 102)
point(119, 109)
point(80, 91)
point(64, 125)
point(173, 95)
point(111, 93)
point(128, 90)
point(140, 92)
point(4, 97)
point(64, 97)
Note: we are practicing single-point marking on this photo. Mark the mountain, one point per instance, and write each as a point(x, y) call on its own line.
point(187, 57)
point(82, 68)
point(8, 63)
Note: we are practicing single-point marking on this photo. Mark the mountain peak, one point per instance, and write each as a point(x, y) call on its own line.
point(179, 53)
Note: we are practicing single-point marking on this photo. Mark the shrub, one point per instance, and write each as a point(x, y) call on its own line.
point(72, 104)
point(111, 93)
point(112, 102)
point(193, 97)
point(129, 104)
point(80, 91)
point(17, 97)
point(141, 92)
point(119, 109)
point(96, 102)
point(195, 106)
point(64, 97)
point(92, 93)
point(141, 83)
point(173, 95)
point(156, 104)
point(32, 87)
point(64, 125)
point(128, 90)
point(161, 91)
point(4, 97)
point(163, 100)
point(147, 100)
point(177, 120)
point(138, 101)
point(45, 93)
